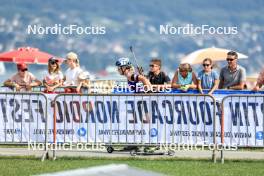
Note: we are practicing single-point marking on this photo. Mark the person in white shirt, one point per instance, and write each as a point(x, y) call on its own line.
point(72, 73)
point(83, 80)
point(54, 77)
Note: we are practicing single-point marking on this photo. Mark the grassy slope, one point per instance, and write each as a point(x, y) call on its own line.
point(29, 166)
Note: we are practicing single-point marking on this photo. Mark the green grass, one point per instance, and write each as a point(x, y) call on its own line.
point(30, 165)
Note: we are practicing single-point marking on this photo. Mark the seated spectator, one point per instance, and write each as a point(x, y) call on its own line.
point(54, 77)
point(184, 78)
point(208, 78)
point(260, 81)
point(232, 76)
point(22, 80)
point(157, 77)
point(72, 73)
point(83, 81)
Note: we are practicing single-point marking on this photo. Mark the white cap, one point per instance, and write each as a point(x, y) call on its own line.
point(84, 75)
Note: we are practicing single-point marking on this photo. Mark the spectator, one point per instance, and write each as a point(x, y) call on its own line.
point(22, 80)
point(83, 81)
point(54, 77)
point(184, 78)
point(232, 76)
point(260, 81)
point(125, 68)
point(157, 77)
point(208, 78)
point(72, 73)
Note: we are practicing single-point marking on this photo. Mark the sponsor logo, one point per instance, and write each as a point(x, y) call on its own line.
point(259, 135)
point(81, 131)
point(153, 132)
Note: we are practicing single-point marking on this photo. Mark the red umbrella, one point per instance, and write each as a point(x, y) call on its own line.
point(27, 55)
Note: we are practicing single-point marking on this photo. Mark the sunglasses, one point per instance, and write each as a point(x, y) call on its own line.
point(152, 65)
point(229, 60)
point(52, 62)
point(23, 70)
point(183, 71)
point(206, 65)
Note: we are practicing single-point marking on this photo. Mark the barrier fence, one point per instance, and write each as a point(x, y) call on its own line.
point(242, 121)
point(95, 86)
point(135, 119)
point(127, 120)
point(23, 118)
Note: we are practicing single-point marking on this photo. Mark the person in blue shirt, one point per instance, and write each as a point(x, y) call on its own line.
point(184, 78)
point(208, 78)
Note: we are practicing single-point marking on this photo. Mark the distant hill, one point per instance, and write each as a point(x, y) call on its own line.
point(134, 23)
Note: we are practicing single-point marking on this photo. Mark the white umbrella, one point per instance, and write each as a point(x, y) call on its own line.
point(216, 54)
